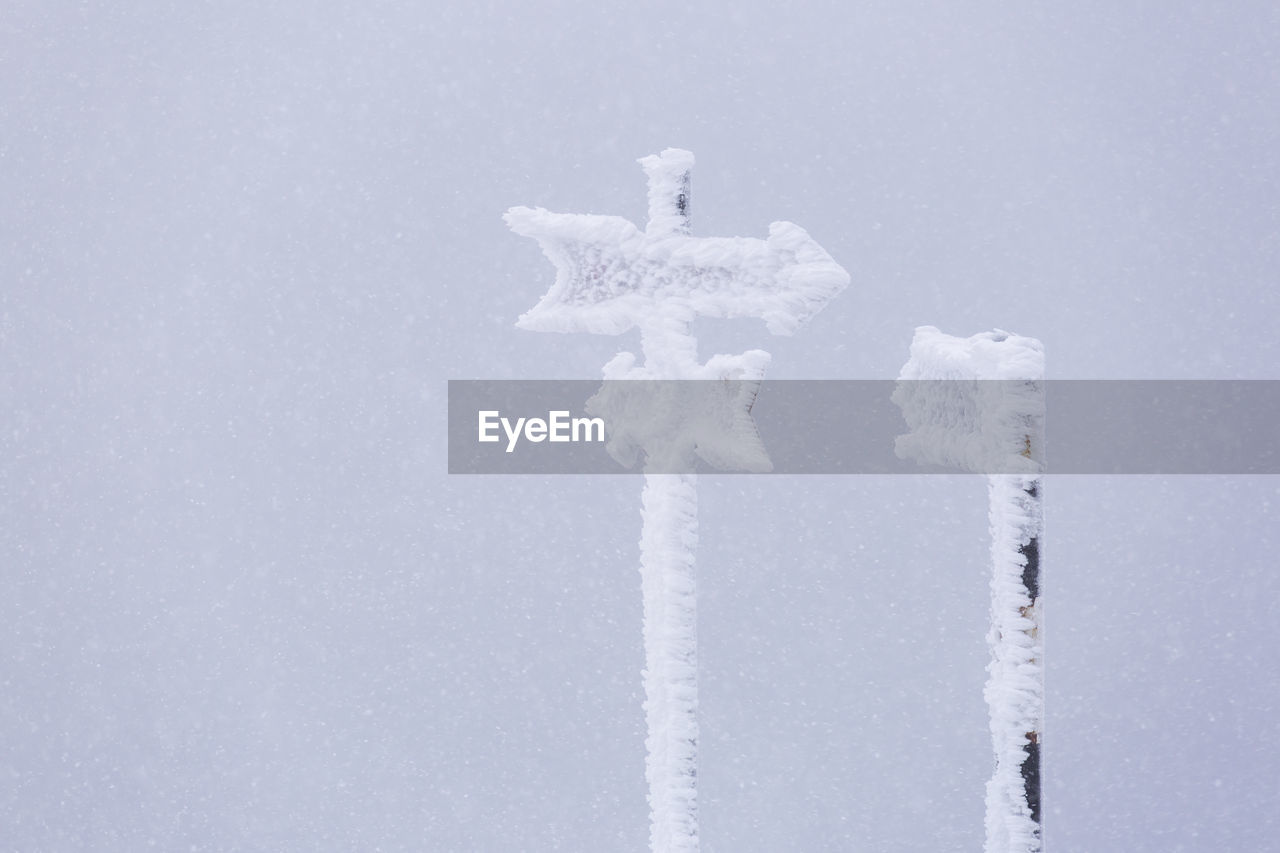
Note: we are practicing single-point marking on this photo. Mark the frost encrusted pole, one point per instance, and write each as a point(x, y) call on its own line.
point(611, 277)
point(978, 404)
point(1015, 686)
point(668, 543)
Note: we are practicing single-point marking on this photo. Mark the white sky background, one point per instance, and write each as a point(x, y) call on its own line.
point(242, 250)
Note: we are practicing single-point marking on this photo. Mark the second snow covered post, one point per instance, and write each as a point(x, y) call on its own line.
point(610, 278)
point(978, 404)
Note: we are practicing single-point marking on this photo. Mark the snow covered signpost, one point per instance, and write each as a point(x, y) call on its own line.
point(978, 404)
point(612, 277)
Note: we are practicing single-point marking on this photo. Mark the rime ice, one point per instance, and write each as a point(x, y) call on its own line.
point(611, 277)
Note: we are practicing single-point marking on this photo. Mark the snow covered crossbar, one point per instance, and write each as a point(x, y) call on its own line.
point(670, 423)
point(978, 404)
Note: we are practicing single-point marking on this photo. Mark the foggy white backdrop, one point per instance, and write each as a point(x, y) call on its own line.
point(242, 249)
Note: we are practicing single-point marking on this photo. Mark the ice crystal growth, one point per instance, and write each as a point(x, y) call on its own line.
point(975, 403)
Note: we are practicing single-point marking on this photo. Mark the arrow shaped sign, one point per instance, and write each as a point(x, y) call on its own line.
point(611, 276)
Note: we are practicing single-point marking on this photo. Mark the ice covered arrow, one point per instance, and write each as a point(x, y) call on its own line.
point(612, 277)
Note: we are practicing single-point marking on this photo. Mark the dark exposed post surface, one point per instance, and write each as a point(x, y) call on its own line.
point(1031, 583)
